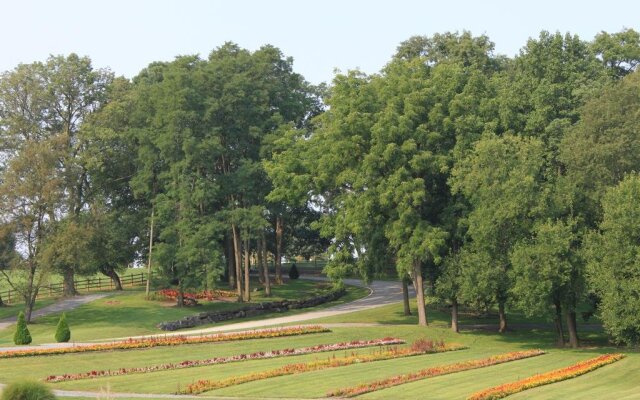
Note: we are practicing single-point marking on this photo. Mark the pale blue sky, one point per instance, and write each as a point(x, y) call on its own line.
point(320, 35)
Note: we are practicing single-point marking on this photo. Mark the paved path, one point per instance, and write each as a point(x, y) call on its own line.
point(62, 305)
point(382, 293)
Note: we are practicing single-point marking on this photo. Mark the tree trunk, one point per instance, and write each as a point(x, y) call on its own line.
point(28, 310)
point(259, 261)
point(68, 284)
point(148, 287)
point(405, 296)
point(180, 295)
point(278, 255)
point(237, 249)
point(419, 286)
point(502, 328)
point(557, 322)
point(114, 277)
point(247, 267)
point(454, 315)
point(572, 328)
point(29, 303)
point(267, 280)
point(231, 261)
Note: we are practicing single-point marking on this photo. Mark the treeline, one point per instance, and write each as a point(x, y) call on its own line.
point(488, 180)
point(491, 180)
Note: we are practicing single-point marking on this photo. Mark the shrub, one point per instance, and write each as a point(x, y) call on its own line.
point(22, 335)
point(27, 390)
point(63, 334)
point(293, 272)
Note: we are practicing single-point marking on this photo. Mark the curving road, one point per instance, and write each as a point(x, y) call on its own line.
point(381, 294)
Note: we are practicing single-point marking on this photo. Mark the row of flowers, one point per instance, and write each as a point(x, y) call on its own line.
point(143, 343)
point(172, 294)
point(356, 344)
point(431, 372)
point(332, 362)
point(581, 368)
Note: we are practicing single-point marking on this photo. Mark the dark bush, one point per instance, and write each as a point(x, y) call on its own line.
point(27, 390)
point(22, 335)
point(63, 334)
point(293, 272)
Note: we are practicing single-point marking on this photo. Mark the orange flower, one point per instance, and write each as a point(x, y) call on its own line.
point(130, 344)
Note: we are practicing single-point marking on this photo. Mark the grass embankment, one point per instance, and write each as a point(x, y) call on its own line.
point(129, 314)
point(613, 381)
point(318, 383)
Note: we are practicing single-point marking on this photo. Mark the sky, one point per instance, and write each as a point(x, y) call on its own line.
point(322, 36)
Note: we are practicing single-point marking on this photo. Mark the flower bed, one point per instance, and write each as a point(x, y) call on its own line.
point(205, 385)
point(431, 372)
point(130, 344)
point(223, 360)
point(581, 368)
point(172, 294)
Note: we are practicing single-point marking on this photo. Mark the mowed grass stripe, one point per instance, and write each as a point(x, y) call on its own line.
point(173, 380)
point(445, 369)
point(37, 367)
point(318, 383)
point(196, 363)
point(205, 385)
point(557, 375)
point(618, 380)
point(462, 384)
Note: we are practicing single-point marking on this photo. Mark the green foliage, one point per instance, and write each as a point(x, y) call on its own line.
point(22, 335)
point(613, 261)
point(603, 146)
point(63, 334)
point(293, 272)
point(27, 390)
point(543, 267)
point(501, 179)
point(619, 51)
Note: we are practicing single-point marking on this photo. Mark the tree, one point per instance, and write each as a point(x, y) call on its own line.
point(544, 274)
point(42, 106)
point(75, 90)
point(29, 193)
point(612, 261)
point(501, 179)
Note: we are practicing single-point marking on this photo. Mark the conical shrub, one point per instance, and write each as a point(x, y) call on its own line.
point(63, 334)
point(293, 272)
point(22, 335)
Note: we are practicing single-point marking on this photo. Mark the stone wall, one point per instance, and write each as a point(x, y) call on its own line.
point(250, 311)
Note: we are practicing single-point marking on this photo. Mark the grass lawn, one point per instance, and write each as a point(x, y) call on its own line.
point(12, 310)
point(394, 315)
point(316, 384)
point(616, 381)
point(129, 314)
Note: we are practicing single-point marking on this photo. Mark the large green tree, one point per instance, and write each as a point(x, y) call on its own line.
point(613, 256)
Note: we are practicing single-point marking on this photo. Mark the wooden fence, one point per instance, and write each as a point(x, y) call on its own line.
point(84, 285)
